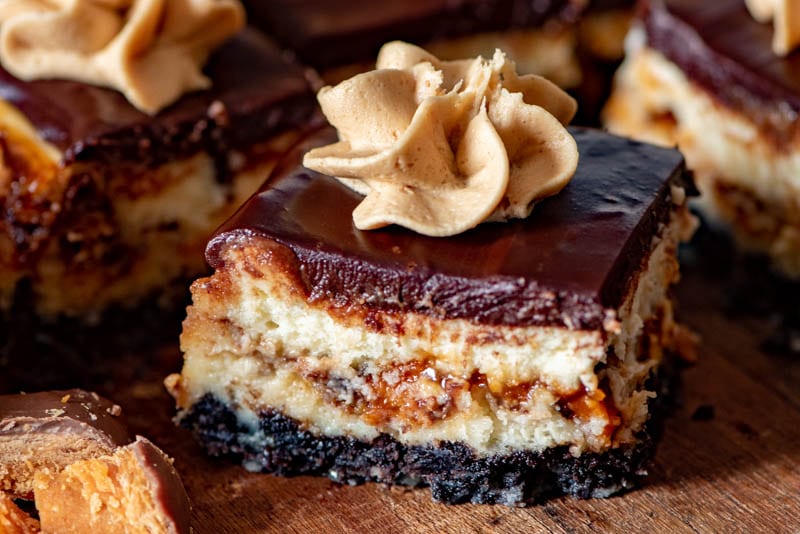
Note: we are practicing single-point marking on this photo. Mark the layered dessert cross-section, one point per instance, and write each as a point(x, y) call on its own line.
point(103, 204)
point(501, 365)
point(705, 76)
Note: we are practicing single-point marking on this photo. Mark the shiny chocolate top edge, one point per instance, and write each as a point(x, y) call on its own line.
point(256, 93)
point(575, 257)
point(720, 47)
point(165, 483)
point(73, 411)
point(328, 33)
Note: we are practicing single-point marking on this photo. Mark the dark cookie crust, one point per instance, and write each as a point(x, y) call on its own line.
point(451, 470)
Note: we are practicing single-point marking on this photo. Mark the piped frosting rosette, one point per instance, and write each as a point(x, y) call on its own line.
point(152, 51)
point(441, 146)
point(785, 17)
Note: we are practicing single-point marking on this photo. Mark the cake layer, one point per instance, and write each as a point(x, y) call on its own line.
point(574, 258)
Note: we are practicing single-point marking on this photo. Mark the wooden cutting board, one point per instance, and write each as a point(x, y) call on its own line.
point(729, 460)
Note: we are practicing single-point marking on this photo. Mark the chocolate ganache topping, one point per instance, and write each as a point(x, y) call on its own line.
point(73, 411)
point(566, 265)
point(325, 33)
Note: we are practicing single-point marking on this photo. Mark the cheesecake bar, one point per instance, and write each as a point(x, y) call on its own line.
point(705, 76)
point(571, 42)
point(103, 204)
point(501, 365)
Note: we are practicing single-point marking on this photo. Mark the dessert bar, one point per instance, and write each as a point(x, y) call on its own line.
point(500, 365)
point(705, 76)
point(106, 205)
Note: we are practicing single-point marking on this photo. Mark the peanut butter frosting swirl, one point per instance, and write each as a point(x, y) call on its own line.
point(152, 51)
point(785, 16)
point(441, 146)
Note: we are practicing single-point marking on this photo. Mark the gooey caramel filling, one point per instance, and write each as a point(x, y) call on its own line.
point(416, 394)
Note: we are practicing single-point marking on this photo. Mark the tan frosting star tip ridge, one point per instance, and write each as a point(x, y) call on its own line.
point(152, 51)
point(785, 16)
point(441, 146)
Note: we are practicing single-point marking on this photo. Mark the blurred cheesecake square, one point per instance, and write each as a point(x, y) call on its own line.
point(105, 205)
point(704, 76)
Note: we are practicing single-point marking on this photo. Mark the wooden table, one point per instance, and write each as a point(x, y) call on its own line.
point(729, 460)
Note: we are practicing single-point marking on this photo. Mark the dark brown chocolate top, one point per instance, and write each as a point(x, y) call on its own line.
point(73, 411)
point(261, 93)
point(166, 486)
point(723, 49)
point(326, 33)
point(575, 256)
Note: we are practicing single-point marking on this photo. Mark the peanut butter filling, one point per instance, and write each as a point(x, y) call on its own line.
point(441, 146)
point(152, 51)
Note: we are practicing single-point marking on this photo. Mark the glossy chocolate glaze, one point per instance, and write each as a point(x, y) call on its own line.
point(326, 33)
point(73, 411)
point(573, 258)
point(724, 50)
point(261, 93)
point(165, 485)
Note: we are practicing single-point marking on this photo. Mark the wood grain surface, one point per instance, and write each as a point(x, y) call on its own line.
point(729, 459)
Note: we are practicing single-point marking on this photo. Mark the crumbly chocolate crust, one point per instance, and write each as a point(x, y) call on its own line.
point(454, 474)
